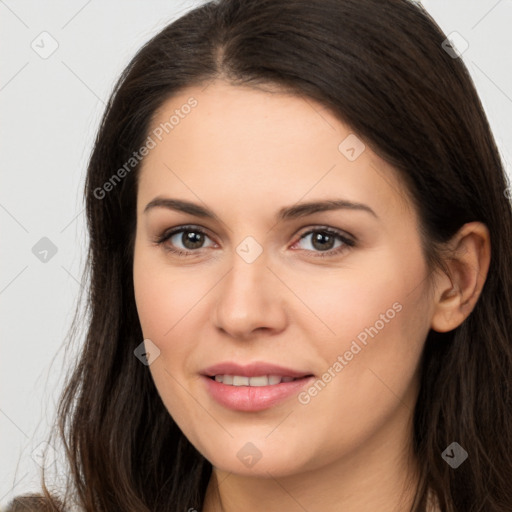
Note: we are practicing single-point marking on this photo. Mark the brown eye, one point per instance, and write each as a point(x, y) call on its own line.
point(323, 240)
point(191, 239)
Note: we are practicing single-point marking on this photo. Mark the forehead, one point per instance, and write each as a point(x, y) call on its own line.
point(267, 145)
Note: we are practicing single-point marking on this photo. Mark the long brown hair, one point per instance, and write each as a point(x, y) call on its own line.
point(381, 67)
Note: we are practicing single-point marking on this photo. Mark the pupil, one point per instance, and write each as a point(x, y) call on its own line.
point(192, 240)
point(321, 241)
point(319, 237)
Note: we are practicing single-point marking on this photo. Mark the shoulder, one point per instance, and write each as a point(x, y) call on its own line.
point(34, 503)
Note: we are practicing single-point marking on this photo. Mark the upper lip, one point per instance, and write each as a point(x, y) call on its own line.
point(252, 370)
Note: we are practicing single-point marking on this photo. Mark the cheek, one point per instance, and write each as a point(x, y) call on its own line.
point(163, 300)
point(163, 296)
point(360, 303)
point(378, 318)
point(369, 378)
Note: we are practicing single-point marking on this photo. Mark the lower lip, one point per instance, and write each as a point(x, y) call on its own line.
point(253, 398)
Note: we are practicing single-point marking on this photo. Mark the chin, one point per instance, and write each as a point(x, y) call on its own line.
point(258, 458)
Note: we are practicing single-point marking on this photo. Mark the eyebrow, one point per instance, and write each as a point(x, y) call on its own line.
point(286, 213)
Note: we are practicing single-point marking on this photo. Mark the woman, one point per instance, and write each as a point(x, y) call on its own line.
point(300, 253)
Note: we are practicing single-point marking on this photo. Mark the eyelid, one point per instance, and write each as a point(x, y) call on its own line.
point(168, 233)
point(306, 230)
point(348, 239)
point(186, 227)
point(335, 231)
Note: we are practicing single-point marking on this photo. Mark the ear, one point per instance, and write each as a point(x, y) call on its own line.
point(457, 290)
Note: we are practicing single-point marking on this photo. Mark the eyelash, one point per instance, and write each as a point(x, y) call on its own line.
point(347, 242)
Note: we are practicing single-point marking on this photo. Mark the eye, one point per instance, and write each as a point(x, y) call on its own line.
point(191, 237)
point(323, 240)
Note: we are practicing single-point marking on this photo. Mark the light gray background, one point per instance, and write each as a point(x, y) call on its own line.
point(50, 109)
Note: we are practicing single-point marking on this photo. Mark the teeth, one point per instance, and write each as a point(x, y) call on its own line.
point(274, 379)
point(258, 381)
point(261, 380)
point(240, 381)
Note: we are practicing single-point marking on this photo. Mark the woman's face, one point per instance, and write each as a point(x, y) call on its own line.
point(336, 297)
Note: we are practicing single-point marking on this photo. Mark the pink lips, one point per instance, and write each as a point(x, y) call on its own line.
point(252, 370)
point(253, 398)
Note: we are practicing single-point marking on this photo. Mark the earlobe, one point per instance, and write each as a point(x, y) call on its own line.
point(458, 290)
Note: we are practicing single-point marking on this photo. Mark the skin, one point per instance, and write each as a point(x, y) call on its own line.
point(244, 154)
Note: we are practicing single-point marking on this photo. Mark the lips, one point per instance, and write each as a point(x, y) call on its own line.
point(255, 369)
point(257, 381)
point(253, 387)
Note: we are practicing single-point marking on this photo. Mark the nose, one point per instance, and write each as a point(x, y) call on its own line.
point(250, 299)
